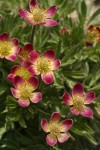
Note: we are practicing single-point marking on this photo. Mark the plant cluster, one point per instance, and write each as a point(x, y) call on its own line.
point(39, 67)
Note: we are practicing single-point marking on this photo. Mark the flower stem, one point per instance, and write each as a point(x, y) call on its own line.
point(32, 35)
point(69, 115)
point(43, 112)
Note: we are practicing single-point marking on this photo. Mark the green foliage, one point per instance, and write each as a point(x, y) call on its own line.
point(20, 127)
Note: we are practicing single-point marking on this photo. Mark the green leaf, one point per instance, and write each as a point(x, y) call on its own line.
point(22, 123)
point(94, 16)
point(83, 9)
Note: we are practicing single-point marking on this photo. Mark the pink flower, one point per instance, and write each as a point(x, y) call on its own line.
point(44, 65)
point(24, 52)
point(56, 129)
point(23, 91)
point(78, 100)
point(21, 71)
point(93, 35)
point(8, 48)
point(38, 15)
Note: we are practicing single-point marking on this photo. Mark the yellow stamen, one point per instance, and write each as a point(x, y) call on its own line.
point(24, 73)
point(43, 65)
point(25, 91)
point(39, 14)
point(55, 128)
point(78, 102)
point(24, 54)
point(93, 34)
point(5, 48)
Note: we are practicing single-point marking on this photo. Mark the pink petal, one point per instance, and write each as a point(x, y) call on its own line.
point(49, 23)
point(4, 36)
point(63, 137)
point(44, 125)
point(20, 58)
point(51, 11)
point(98, 29)
point(33, 70)
point(55, 116)
point(33, 56)
point(15, 93)
point(15, 41)
point(1, 56)
point(28, 47)
point(25, 50)
point(34, 82)
point(25, 64)
point(51, 140)
point(57, 64)
point(66, 125)
point(88, 43)
point(11, 57)
point(27, 16)
point(87, 112)
point(16, 49)
point(98, 39)
point(18, 81)
point(36, 97)
point(67, 98)
point(89, 97)
point(23, 103)
point(78, 89)
point(74, 111)
point(20, 50)
point(48, 78)
point(15, 68)
point(91, 27)
point(10, 77)
point(50, 54)
point(32, 4)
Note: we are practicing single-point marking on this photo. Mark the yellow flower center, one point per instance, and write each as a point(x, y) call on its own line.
point(93, 34)
point(25, 91)
point(39, 14)
point(24, 73)
point(43, 65)
point(78, 102)
point(24, 54)
point(54, 128)
point(5, 48)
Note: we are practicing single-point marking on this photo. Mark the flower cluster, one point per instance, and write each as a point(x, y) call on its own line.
point(32, 64)
point(24, 76)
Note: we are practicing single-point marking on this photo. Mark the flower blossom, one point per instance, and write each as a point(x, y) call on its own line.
point(23, 91)
point(38, 15)
point(44, 65)
point(8, 48)
point(93, 35)
point(57, 130)
point(78, 100)
point(21, 71)
point(24, 52)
